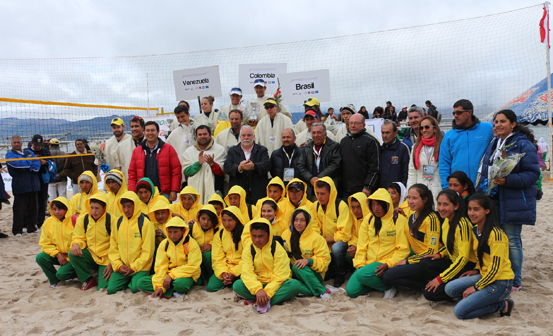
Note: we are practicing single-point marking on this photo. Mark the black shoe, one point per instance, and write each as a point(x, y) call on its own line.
point(339, 280)
point(3, 235)
point(510, 305)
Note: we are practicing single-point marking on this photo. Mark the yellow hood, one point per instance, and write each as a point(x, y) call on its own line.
point(383, 195)
point(277, 181)
point(190, 190)
point(124, 187)
point(134, 198)
point(159, 205)
point(330, 208)
point(304, 190)
point(362, 199)
point(98, 196)
point(266, 222)
point(177, 222)
point(216, 198)
point(210, 208)
point(310, 220)
point(70, 211)
point(240, 191)
point(260, 206)
point(236, 212)
point(94, 188)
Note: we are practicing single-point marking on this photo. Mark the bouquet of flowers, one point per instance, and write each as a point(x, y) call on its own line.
point(100, 161)
point(502, 166)
point(278, 94)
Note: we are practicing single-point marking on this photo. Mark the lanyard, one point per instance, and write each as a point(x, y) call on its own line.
point(500, 145)
point(429, 153)
point(317, 156)
point(289, 158)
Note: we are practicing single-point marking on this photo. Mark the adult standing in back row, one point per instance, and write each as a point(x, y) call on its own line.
point(463, 147)
point(269, 129)
point(76, 165)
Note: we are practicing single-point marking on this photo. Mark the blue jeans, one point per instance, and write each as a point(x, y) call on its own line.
point(339, 250)
point(515, 251)
point(488, 300)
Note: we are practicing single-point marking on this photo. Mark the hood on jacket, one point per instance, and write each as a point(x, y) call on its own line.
point(177, 222)
point(362, 199)
point(240, 191)
point(94, 188)
point(383, 195)
point(192, 191)
point(98, 196)
point(134, 198)
point(124, 187)
point(217, 198)
point(266, 222)
point(403, 194)
point(297, 180)
point(308, 227)
point(475, 121)
point(159, 205)
point(277, 181)
point(65, 202)
point(236, 212)
point(259, 209)
point(330, 208)
point(210, 208)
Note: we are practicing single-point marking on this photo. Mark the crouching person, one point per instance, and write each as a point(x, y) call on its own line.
point(266, 274)
point(55, 240)
point(178, 263)
point(90, 243)
point(132, 245)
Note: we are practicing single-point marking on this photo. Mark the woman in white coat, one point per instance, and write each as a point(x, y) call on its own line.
point(424, 156)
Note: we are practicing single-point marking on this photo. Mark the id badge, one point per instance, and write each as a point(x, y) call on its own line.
point(272, 139)
point(428, 172)
point(288, 174)
point(187, 142)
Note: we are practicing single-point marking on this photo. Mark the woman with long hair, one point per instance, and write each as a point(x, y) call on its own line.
point(484, 290)
point(515, 195)
point(424, 155)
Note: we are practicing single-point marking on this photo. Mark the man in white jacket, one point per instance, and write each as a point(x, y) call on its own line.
point(126, 147)
point(182, 137)
point(231, 136)
point(119, 135)
point(235, 102)
point(269, 129)
point(256, 104)
point(203, 164)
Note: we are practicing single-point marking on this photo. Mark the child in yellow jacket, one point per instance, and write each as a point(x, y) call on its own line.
point(90, 243)
point(237, 197)
point(55, 242)
point(219, 205)
point(227, 251)
point(117, 186)
point(188, 205)
point(268, 209)
point(132, 245)
point(266, 274)
point(203, 231)
point(358, 210)
point(380, 246)
point(88, 186)
point(177, 263)
point(310, 254)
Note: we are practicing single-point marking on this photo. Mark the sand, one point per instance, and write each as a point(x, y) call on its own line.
point(28, 306)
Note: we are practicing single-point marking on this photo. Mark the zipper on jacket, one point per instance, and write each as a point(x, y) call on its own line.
point(262, 263)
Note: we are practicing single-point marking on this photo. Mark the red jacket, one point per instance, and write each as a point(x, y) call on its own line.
point(170, 170)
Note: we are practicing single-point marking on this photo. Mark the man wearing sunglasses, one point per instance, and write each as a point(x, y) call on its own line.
point(462, 148)
point(256, 105)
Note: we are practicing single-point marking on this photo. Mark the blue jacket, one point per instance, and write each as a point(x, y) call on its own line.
point(463, 148)
point(517, 198)
point(395, 164)
point(24, 173)
point(407, 138)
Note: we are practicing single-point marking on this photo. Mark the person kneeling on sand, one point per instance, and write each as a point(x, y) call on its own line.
point(55, 240)
point(132, 245)
point(266, 274)
point(203, 231)
point(90, 243)
point(178, 263)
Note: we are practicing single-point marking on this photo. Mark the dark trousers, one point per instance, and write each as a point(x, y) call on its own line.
point(42, 200)
point(24, 212)
point(409, 275)
point(432, 268)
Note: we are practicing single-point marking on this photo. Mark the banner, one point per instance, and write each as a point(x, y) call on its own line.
point(375, 125)
point(164, 122)
point(298, 86)
point(248, 73)
point(191, 83)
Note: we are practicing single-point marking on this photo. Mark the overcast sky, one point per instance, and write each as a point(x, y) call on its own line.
point(54, 28)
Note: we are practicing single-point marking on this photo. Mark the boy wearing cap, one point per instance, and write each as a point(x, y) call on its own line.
point(57, 187)
point(119, 135)
point(256, 104)
point(269, 129)
point(296, 196)
point(311, 117)
point(116, 186)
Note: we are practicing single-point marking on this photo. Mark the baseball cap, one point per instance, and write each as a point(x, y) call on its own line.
point(311, 113)
point(37, 140)
point(270, 101)
point(236, 91)
point(348, 107)
point(54, 141)
point(312, 101)
point(117, 121)
point(296, 185)
point(260, 82)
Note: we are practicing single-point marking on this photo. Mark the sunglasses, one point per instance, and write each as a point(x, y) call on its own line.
point(459, 112)
point(268, 106)
point(425, 127)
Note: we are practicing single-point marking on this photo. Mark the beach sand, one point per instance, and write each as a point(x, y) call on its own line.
point(28, 306)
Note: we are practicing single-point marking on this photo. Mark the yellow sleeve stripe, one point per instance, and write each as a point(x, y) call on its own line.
point(453, 269)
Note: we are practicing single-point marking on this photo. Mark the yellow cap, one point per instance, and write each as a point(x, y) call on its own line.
point(54, 141)
point(312, 102)
point(117, 121)
point(270, 101)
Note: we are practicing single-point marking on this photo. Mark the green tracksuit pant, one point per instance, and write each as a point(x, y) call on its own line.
point(84, 264)
point(180, 285)
point(119, 282)
point(289, 289)
point(47, 263)
point(364, 280)
point(311, 281)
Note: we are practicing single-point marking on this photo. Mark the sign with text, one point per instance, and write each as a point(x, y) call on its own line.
point(191, 83)
point(296, 87)
point(248, 73)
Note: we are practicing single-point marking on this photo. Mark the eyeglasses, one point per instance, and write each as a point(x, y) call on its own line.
point(269, 106)
point(356, 123)
point(459, 112)
point(425, 127)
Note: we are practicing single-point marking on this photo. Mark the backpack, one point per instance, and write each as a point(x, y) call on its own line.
point(336, 206)
point(108, 224)
point(184, 244)
point(250, 210)
point(51, 172)
point(273, 246)
point(140, 222)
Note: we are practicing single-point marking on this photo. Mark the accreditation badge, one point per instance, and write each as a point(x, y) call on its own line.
point(428, 172)
point(288, 174)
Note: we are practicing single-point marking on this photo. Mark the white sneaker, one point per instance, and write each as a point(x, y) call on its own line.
point(332, 289)
point(38, 231)
point(326, 296)
point(177, 295)
point(390, 293)
point(54, 285)
point(24, 230)
point(18, 235)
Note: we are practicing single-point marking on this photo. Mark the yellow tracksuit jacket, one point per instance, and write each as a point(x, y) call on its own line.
point(192, 213)
point(56, 235)
point(312, 245)
point(390, 245)
point(96, 238)
point(265, 268)
point(128, 246)
point(112, 198)
point(462, 248)
point(356, 222)
point(225, 257)
point(216, 198)
point(495, 260)
point(277, 227)
point(180, 260)
point(280, 202)
point(427, 240)
point(160, 205)
point(328, 225)
point(237, 190)
point(287, 206)
point(198, 233)
point(78, 201)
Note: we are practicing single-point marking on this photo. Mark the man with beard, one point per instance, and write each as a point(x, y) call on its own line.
point(203, 164)
point(123, 152)
point(284, 159)
point(119, 135)
point(230, 136)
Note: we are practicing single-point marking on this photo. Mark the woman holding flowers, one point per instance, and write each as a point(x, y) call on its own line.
point(515, 194)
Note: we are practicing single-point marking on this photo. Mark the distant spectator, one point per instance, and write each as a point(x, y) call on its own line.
point(415, 115)
point(75, 166)
point(37, 147)
point(432, 111)
point(389, 112)
point(378, 112)
point(58, 187)
point(403, 114)
point(363, 111)
point(395, 157)
point(119, 135)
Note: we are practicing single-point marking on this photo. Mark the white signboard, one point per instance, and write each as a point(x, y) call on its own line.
point(7, 181)
point(164, 122)
point(375, 125)
point(191, 83)
point(248, 73)
point(297, 87)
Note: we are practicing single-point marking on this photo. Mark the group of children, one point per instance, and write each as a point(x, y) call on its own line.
point(284, 246)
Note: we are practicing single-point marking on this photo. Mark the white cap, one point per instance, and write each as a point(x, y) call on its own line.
point(235, 91)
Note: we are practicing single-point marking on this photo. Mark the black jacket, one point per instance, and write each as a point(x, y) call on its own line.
point(395, 164)
point(60, 163)
point(360, 162)
point(254, 181)
point(279, 161)
point(329, 165)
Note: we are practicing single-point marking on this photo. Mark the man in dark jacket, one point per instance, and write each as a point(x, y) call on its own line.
point(42, 196)
point(395, 157)
point(25, 185)
point(75, 166)
point(319, 159)
point(284, 159)
point(360, 159)
point(57, 188)
point(247, 165)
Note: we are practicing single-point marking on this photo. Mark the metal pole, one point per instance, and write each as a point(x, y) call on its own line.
point(148, 92)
